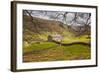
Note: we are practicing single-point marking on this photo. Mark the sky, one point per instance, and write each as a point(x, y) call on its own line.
point(58, 16)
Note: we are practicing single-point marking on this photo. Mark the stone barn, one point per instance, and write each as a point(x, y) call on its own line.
point(56, 37)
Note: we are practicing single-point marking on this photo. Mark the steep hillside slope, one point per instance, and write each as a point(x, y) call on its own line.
point(40, 28)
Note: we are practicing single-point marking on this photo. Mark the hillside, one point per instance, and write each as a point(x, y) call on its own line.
point(36, 48)
point(41, 28)
point(43, 25)
point(38, 29)
point(51, 40)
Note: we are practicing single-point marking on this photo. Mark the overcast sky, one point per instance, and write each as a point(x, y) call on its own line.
point(52, 15)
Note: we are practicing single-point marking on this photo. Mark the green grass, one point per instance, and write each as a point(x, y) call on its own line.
point(49, 51)
point(72, 52)
point(38, 46)
point(76, 39)
point(35, 50)
point(77, 51)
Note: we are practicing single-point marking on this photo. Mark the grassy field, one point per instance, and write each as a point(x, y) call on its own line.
point(49, 51)
point(76, 39)
point(36, 47)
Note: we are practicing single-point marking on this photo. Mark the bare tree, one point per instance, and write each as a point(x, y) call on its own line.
point(74, 27)
point(63, 17)
point(30, 13)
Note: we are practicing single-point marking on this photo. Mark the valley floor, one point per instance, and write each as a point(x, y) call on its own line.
point(49, 51)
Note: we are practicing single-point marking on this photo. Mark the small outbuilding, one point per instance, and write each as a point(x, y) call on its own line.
point(56, 37)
